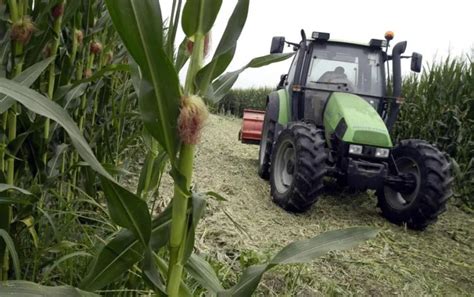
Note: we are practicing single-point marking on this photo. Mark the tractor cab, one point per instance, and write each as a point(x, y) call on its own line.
point(339, 67)
point(322, 66)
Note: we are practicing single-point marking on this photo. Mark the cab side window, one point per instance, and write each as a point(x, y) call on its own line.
point(291, 74)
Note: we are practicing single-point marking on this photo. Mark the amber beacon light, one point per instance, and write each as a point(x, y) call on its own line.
point(389, 35)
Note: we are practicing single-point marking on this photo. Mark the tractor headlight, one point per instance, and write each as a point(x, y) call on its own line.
point(355, 149)
point(382, 152)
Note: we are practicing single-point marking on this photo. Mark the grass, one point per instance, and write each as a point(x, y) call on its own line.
point(438, 261)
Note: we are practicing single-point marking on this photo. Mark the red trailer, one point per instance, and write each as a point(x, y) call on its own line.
point(252, 125)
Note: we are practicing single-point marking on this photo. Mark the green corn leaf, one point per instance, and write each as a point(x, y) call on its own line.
point(226, 48)
point(25, 288)
point(182, 55)
point(215, 196)
point(67, 90)
point(198, 206)
point(151, 173)
point(29, 223)
point(199, 16)
point(62, 259)
point(105, 71)
point(203, 273)
point(72, 94)
point(302, 251)
point(221, 86)
point(6, 187)
point(123, 251)
point(119, 255)
point(59, 151)
point(139, 24)
point(26, 78)
point(14, 255)
point(151, 273)
point(128, 210)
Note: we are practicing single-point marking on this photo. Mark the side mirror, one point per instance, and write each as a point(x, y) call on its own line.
point(281, 84)
point(278, 43)
point(416, 62)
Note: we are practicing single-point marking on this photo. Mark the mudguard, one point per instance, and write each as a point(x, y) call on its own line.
point(280, 99)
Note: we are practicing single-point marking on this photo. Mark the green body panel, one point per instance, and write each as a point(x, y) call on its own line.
point(284, 107)
point(364, 124)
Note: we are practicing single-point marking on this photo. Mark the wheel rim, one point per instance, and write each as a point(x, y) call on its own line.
point(403, 200)
point(284, 166)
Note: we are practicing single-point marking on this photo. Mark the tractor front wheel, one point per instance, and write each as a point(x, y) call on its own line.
point(298, 167)
point(431, 171)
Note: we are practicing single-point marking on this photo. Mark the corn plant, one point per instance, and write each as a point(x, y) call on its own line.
point(161, 247)
point(55, 47)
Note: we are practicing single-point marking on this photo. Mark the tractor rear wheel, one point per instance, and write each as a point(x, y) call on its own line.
point(432, 173)
point(266, 142)
point(298, 167)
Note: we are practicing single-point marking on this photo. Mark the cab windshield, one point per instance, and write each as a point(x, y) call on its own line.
point(351, 68)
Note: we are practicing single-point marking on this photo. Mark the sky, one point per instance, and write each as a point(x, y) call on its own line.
point(432, 28)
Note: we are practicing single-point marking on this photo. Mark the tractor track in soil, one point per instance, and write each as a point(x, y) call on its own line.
point(249, 228)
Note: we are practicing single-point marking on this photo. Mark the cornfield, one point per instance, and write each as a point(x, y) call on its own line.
point(86, 86)
point(238, 99)
point(71, 53)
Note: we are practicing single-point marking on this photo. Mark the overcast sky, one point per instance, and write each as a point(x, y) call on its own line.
point(432, 28)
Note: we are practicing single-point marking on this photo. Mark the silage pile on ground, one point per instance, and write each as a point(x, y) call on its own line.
point(249, 228)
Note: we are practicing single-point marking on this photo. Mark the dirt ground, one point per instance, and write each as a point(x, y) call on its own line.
point(249, 228)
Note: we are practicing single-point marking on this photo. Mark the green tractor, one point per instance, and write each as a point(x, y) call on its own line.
point(330, 118)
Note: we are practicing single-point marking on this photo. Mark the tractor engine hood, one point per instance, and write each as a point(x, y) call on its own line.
point(354, 120)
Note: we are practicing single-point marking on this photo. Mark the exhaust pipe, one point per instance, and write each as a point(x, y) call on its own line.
point(397, 51)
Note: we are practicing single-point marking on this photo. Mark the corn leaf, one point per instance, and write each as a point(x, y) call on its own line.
point(151, 273)
point(123, 251)
point(226, 48)
point(198, 206)
point(5, 237)
point(182, 55)
point(26, 78)
point(139, 24)
point(56, 263)
point(152, 171)
point(25, 288)
point(203, 273)
point(6, 187)
point(301, 251)
point(221, 86)
point(127, 210)
point(199, 16)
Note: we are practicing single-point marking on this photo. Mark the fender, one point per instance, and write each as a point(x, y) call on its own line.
point(280, 102)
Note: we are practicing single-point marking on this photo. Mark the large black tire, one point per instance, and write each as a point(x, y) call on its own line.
point(298, 167)
point(428, 200)
point(268, 138)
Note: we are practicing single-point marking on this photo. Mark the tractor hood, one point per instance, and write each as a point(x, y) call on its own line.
point(354, 120)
